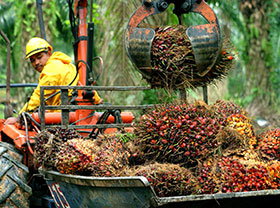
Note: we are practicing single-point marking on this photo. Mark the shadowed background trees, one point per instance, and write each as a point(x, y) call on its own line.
point(252, 26)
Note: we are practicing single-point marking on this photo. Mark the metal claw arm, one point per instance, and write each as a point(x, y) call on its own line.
point(205, 39)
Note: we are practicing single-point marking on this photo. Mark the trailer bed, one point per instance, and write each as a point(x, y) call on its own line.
point(86, 192)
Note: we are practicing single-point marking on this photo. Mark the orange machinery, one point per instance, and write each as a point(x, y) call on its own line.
point(84, 114)
point(205, 39)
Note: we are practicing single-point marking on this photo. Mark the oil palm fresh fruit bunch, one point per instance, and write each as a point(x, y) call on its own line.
point(49, 142)
point(111, 156)
point(243, 125)
point(173, 62)
point(76, 157)
point(269, 144)
point(166, 179)
point(231, 174)
point(177, 133)
point(225, 108)
point(274, 169)
point(104, 156)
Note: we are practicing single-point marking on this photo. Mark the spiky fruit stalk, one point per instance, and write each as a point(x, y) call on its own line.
point(76, 157)
point(49, 142)
point(174, 64)
point(166, 179)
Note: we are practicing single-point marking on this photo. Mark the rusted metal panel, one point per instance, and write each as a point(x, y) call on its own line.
point(65, 112)
point(205, 44)
point(251, 199)
point(98, 107)
point(84, 191)
point(139, 49)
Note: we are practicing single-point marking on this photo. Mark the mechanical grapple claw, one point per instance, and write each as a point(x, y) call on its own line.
point(205, 39)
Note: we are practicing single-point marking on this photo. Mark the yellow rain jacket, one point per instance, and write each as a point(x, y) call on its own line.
point(57, 71)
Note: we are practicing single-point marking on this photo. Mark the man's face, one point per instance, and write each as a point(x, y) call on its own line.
point(39, 60)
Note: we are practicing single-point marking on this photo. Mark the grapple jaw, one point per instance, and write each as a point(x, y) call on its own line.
point(205, 39)
point(139, 49)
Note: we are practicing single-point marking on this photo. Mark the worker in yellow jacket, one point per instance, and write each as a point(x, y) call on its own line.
point(55, 68)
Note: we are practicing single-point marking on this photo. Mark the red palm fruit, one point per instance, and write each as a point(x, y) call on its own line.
point(232, 174)
point(181, 133)
point(173, 62)
point(226, 108)
point(268, 143)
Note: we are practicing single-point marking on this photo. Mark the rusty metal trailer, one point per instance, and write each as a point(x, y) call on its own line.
point(121, 192)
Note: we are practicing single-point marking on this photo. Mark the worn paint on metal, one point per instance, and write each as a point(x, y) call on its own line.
point(57, 195)
point(85, 191)
point(140, 14)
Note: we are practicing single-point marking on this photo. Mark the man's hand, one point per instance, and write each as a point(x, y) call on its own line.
point(11, 121)
point(100, 101)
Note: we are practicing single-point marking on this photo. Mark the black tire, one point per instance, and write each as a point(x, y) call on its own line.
point(13, 177)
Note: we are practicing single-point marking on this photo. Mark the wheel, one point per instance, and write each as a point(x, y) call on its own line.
point(13, 177)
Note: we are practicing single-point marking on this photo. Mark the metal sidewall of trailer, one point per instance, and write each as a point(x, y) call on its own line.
point(85, 191)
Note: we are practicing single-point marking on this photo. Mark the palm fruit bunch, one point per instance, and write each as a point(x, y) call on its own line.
point(104, 156)
point(166, 179)
point(173, 61)
point(268, 144)
point(48, 143)
point(226, 108)
point(233, 116)
point(231, 174)
point(243, 125)
point(273, 168)
point(111, 156)
point(76, 156)
point(177, 133)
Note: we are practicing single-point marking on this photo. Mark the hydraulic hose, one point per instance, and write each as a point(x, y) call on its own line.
point(27, 134)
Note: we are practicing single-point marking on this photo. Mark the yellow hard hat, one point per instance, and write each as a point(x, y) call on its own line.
point(36, 45)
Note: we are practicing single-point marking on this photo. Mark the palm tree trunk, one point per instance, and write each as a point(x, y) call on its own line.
point(257, 70)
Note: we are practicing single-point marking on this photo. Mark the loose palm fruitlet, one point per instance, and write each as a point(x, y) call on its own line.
point(48, 143)
point(268, 144)
point(173, 61)
point(177, 133)
point(230, 174)
point(166, 179)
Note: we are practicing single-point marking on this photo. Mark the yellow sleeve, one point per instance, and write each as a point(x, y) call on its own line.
point(34, 101)
point(96, 98)
point(46, 79)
